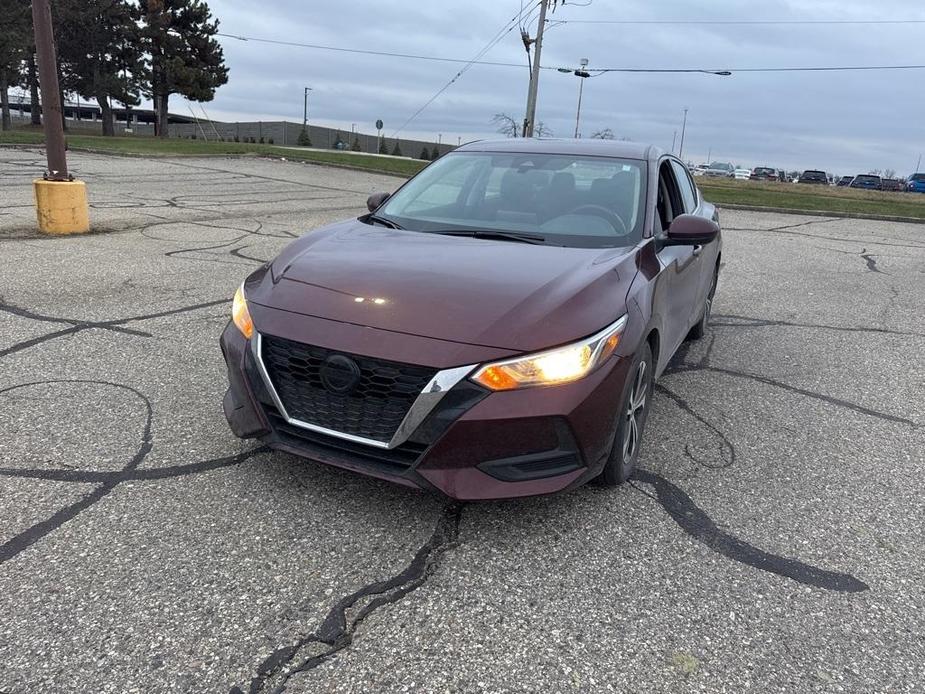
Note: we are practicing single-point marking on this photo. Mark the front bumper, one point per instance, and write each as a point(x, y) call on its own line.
point(476, 445)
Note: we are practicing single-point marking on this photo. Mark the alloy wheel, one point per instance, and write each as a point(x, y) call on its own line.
point(635, 410)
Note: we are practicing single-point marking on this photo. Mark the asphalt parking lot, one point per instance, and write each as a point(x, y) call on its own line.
point(773, 541)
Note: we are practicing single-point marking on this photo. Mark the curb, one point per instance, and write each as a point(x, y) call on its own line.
point(820, 213)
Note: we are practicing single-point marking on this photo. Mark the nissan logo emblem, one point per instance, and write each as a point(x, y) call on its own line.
point(339, 374)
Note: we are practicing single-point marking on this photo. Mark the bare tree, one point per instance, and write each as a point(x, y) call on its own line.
point(874, 172)
point(505, 124)
point(889, 173)
point(542, 131)
point(605, 134)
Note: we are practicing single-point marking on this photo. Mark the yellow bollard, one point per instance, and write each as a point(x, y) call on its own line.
point(62, 207)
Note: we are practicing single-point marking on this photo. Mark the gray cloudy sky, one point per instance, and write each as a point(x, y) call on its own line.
point(842, 122)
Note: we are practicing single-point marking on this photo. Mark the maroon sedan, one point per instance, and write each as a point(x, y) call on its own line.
point(492, 329)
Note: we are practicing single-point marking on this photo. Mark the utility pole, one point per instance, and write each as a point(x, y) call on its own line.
point(51, 95)
point(674, 139)
point(530, 118)
point(683, 131)
point(582, 74)
point(918, 167)
point(60, 201)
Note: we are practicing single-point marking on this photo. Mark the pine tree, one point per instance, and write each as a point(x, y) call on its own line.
point(100, 53)
point(425, 154)
point(383, 149)
point(355, 147)
point(185, 57)
point(435, 154)
point(304, 140)
point(15, 39)
point(396, 150)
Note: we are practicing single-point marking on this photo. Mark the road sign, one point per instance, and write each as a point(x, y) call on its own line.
point(379, 124)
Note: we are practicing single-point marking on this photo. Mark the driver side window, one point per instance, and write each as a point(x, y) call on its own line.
point(669, 203)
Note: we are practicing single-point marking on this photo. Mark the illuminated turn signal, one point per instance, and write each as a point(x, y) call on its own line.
point(240, 315)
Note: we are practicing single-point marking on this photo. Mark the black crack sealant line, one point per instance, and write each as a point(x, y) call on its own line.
point(696, 523)
point(336, 631)
point(105, 482)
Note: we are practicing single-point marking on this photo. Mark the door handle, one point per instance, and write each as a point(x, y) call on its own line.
point(697, 251)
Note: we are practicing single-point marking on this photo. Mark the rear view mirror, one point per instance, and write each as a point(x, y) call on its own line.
point(691, 230)
point(376, 200)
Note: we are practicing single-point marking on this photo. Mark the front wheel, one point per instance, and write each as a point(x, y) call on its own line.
point(631, 422)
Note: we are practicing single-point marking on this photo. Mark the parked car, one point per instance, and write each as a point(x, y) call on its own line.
point(763, 173)
point(742, 174)
point(720, 170)
point(845, 181)
point(867, 182)
point(814, 177)
point(893, 185)
point(492, 329)
point(916, 183)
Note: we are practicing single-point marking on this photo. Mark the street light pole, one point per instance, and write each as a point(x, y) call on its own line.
point(683, 131)
point(582, 75)
point(305, 109)
point(530, 118)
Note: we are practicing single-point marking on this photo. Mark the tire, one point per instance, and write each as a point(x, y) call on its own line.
point(636, 401)
point(702, 325)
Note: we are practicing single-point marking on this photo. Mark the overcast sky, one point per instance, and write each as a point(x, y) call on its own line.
point(842, 122)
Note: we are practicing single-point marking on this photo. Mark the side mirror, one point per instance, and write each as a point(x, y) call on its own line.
point(691, 230)
point(376, 200)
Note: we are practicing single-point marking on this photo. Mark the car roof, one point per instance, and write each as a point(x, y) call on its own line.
point(590, 147)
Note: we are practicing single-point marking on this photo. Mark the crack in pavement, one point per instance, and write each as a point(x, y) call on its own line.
point(106, 481)
point(698, 525)
point(33, 534)
point(78, 326)
point(336, 632)
point(871, 262)
point(767, 322)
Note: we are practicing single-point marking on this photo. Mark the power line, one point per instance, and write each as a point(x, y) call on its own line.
point(743, 21)
point(388, 54)
point(511, 25)
point(731, 71)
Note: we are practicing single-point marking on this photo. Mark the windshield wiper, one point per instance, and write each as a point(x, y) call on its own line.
point(383, 221)
point(494, 235)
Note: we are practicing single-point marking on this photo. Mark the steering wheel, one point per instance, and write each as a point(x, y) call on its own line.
point(608, 215)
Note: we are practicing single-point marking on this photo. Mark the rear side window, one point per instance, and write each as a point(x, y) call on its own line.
point(685, 186)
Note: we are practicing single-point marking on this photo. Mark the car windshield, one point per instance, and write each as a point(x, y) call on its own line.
point(556, 199)
point(918, 177)
point(867, 179)
point(814, 174)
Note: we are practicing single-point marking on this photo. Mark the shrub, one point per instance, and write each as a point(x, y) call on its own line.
point(270, 141)
point(261, 139)
point(355, 147)
point(396, 150)
point(425, 154)
point(304, 140)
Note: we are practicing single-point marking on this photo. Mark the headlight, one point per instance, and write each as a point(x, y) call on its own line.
point(240, 315)
point(554, 367)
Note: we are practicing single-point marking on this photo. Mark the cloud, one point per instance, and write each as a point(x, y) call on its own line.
point(842, 122)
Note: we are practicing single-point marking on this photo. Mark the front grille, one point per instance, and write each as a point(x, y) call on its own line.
point(393, 461)
point(373, 409)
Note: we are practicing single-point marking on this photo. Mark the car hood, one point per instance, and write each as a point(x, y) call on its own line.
point(508, 295)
